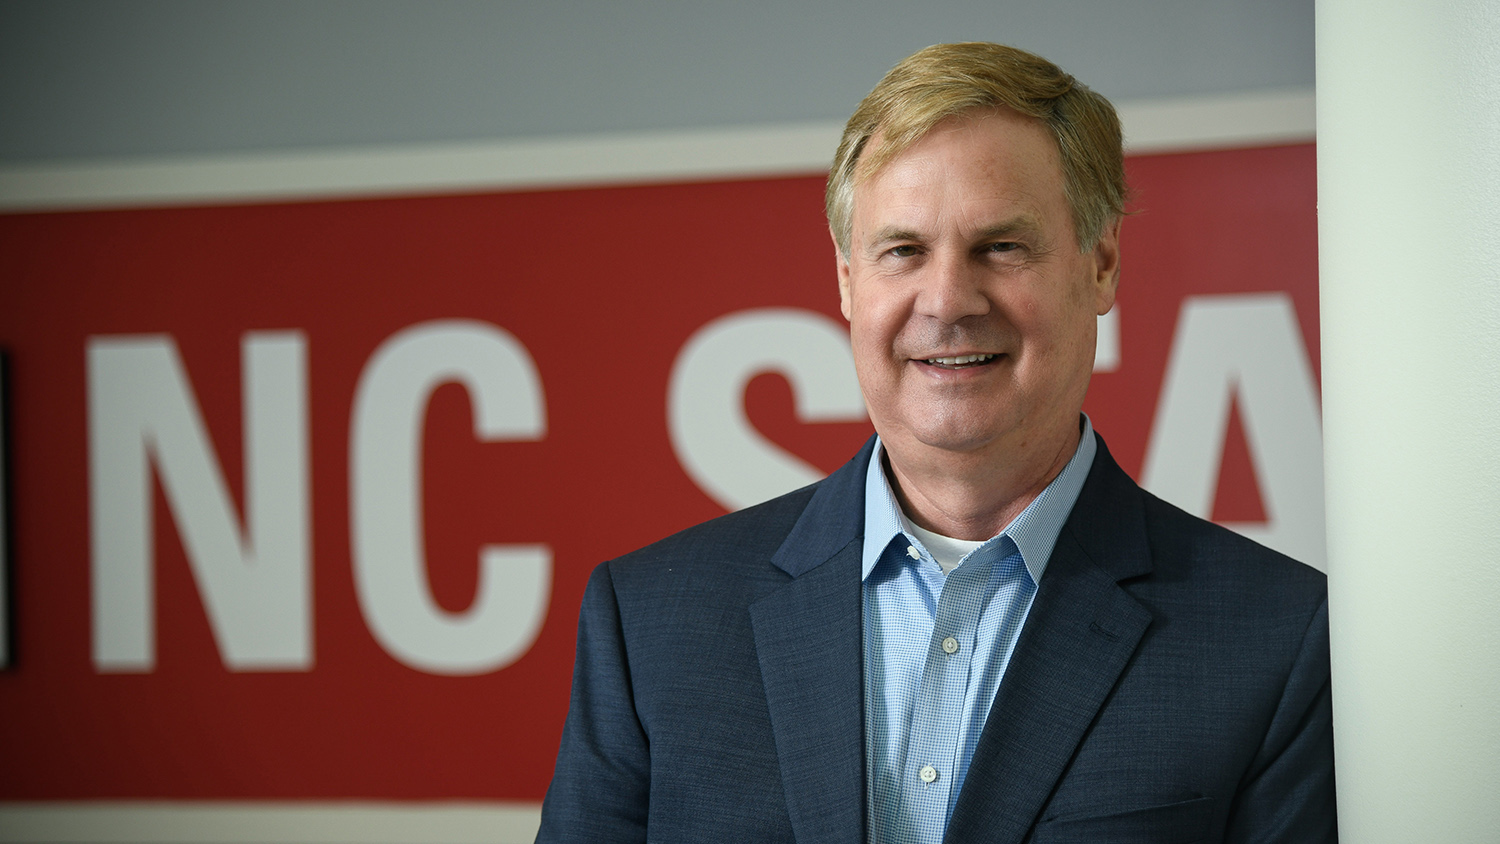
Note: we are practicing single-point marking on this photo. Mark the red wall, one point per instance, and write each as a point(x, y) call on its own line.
point(602, 288)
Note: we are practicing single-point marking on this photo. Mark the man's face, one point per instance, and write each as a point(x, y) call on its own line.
point(971, 310)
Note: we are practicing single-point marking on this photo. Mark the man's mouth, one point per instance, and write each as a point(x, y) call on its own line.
point(960, 361)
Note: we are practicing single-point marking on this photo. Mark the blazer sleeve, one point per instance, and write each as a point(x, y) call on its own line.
point(1288, 793)
point(600, 788)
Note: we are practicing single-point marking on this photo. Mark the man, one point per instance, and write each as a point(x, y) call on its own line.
point(980, 629)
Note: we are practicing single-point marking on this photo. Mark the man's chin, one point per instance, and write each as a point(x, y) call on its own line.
point(955, 439)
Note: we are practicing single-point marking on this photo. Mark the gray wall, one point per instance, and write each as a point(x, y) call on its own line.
point(105, 79)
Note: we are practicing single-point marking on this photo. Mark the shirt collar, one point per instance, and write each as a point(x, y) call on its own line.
point(1034, 532)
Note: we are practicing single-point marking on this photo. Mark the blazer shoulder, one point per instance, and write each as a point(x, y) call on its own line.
point(751, 534)
point(790, 533)
point(1134, 533)
point(1177, 536)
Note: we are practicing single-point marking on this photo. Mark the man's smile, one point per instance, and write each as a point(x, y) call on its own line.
point(960, 361)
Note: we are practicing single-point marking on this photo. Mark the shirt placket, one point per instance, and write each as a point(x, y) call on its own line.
point(932, 751)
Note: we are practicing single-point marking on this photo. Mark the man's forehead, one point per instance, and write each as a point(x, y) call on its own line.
point(997, 181)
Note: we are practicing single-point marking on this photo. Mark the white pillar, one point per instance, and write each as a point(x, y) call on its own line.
point(1409, 243)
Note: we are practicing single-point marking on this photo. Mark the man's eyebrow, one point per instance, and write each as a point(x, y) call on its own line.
point(1025, 224)
point(890, 233)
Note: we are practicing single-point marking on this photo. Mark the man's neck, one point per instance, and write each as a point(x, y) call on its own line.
point(969, 496)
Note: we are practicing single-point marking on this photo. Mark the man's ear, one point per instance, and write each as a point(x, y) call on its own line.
point(1107, 267)
point(842, 265)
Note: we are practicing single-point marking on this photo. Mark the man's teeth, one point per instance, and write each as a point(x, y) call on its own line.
point(960, 360)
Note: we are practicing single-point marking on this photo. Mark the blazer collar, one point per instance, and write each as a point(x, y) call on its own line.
point(808, 641)
point(1082, 631)
point(832, 519)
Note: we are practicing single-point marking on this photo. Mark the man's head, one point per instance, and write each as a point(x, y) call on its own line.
point(970, 285)
point(949, 79)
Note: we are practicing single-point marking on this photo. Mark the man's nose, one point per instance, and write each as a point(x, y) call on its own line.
point(953, 288)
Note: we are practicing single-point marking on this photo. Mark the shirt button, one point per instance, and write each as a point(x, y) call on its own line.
point(911, 551)
point(928, 774)
point(950, 645)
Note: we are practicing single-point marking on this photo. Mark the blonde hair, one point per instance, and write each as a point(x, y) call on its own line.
point(948, 79)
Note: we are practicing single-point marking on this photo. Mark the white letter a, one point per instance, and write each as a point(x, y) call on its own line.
point(1250, 344)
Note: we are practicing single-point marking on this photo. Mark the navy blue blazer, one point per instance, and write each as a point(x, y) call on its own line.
point(1170, 686)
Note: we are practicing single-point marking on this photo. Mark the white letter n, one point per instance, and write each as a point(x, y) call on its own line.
point(255, 581)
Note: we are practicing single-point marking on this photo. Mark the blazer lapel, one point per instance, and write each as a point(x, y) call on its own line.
point(808, 640)
point(1081, 632)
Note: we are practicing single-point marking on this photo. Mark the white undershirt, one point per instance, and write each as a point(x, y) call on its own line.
point(945, 550)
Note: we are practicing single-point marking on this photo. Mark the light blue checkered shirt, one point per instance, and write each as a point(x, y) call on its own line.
point(936, 646)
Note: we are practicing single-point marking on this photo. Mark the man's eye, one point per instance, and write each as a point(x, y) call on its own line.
point(1004, 246)
point(904, 251)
